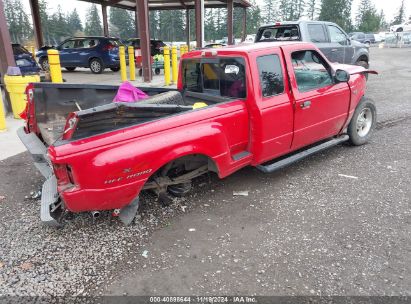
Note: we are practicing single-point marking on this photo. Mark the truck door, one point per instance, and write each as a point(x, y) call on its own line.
point(320, 106)
point(273, 118)
point(339, 44)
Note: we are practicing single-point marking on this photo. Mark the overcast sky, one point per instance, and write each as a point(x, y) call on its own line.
point(390, 7)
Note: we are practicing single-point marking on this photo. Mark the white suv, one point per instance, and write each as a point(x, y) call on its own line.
point(404, 27)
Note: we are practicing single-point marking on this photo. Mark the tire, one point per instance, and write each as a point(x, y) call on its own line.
point(179, 190)
point(157, 71)
point(44, 64)
point(399, 29)
point(70, 69)
point(140, 72)
point(171, 97)
point(367, 43)
point(116, 69)
point(362, 122)
point(96, 66)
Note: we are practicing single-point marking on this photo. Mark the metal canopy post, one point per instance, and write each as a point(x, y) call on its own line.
point(244, 24)
point(230, 29)
point(142, 11)
point(199, 14)
point(136, 22)
point(188, 27)
point(35, 15)
point(105, 23)
point(6, 51)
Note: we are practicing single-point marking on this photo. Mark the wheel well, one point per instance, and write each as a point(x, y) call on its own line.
point(363, 58)
point(189, 162)
point(89, 61)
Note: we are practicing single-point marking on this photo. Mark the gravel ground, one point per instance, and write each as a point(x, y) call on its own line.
point(304, 230)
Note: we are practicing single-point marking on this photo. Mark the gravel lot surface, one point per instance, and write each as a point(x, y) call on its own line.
point(306, 230)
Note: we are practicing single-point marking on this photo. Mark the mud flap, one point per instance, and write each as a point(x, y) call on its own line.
point(129, 212)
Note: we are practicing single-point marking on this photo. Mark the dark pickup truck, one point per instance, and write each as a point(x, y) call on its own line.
point(331, 39)
point(264, 105)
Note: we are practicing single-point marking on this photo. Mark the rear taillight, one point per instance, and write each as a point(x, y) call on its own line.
point(71, 125)
point(61, 174)
point(108, 47)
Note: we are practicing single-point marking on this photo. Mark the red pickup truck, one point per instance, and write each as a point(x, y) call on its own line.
point(266, 105)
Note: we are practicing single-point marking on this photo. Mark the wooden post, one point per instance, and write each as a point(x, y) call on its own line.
point(142, 11)
point(230, 28)
point(105, 23)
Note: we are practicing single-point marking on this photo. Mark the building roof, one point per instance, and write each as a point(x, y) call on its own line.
point(169, 5)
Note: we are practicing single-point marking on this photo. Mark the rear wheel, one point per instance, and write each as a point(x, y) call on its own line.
point(70, 69)
point(400, 29)
point(362, 123)
point(44, 64)
point(157, 71)
point(96, 66)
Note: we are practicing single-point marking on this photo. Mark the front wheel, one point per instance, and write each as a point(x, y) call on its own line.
point(362, 123)
point(96, 66)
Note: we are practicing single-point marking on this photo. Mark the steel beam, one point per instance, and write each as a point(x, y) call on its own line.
point(230, 28)
point(142, 11)
point(6, 51)
point(105, 23)
point(244, 24)
point(188, 27)
point(35, 15)
point(199, 16)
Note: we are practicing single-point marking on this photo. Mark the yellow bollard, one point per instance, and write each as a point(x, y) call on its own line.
point(2, 115)
point(167, 65)
point(33, 52)
point(55, 68)
point(131, 63)
point(174, 64)
point(182, 50)
point(123, 65)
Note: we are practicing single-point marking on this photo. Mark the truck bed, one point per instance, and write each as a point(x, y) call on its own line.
point(98, 114)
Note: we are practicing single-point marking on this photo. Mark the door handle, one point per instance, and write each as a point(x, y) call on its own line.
point(305, 104)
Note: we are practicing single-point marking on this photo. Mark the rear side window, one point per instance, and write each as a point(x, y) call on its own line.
point(271, 75)
point(223, 77)
point(316, 32)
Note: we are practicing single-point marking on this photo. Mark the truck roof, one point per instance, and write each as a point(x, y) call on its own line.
point(249, 48)
point(279, 23)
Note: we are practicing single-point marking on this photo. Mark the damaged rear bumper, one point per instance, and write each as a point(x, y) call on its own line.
point(51, 205)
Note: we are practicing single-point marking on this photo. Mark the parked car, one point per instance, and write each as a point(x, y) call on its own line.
point(329, 38)
point(96, 53)
point(234, 107)
point(24, 60)
point(403, 27)
point(156, 46)
point(366, 38)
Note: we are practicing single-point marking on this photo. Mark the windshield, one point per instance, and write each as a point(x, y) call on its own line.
point(221, 76)
point(279, 33)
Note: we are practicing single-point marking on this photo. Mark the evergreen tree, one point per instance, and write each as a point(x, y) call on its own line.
point(337, 11)
point(383, 22)
point(121, 23)
point(209, 25)
point(269, 11)
point(93, 22)
point(312, 9)
point(58, 26)
point(18, 21)
point(74, 22)
point(154, 20)
point(367, 19)
point(400, 17)
point(254, 18)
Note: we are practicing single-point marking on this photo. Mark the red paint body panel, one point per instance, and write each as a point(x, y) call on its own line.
point(109, 170)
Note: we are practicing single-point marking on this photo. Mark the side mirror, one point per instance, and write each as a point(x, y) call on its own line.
point(341, 76)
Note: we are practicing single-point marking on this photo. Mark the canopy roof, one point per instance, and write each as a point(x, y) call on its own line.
point(169, 5)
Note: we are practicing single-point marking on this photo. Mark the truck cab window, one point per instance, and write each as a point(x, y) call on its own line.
point(271, 75)
point(223, 77)
point(336, 35)
point(311, 71)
